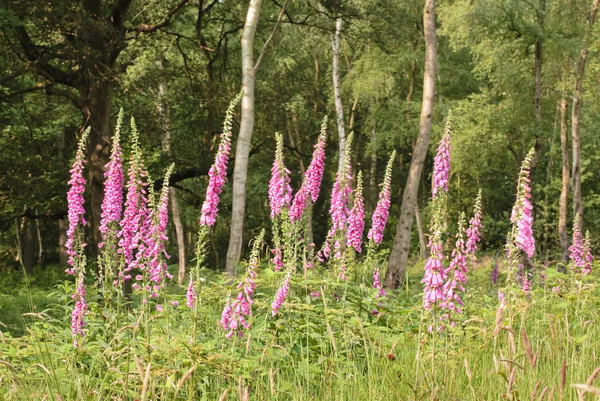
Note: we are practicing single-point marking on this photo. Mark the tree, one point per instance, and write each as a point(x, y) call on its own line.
point(401, 248)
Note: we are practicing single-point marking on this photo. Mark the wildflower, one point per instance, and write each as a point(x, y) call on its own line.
point(473, 232)
point(281, 295)
point(339, 201)
point(190, 295)
point(79, 311)
point(240, 309)
point(155, 242)
point(435, 274)
point(377, 283)
point(576, 250)
point(133, 228)
point(356, 218)
point(218, 171)
point(226, 314)
point(75, 203)
point(522, 211)
point(494, 273)
point(315, 294)
point(280, 192)
point(382, 211)
point(458, 267)
point(159, 308)
point(112, 204)
point(175, 303)
point(441, 165)
point(587, 254)
point(313, 176)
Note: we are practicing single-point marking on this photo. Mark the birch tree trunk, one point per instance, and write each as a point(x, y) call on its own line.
point(564, 189)
point(337, 90)
point(373, 170)
point(164, 114)
point(401, 248)
point(242, 147)
point(576, 115)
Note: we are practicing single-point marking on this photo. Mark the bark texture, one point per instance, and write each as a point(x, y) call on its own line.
point(401, 248)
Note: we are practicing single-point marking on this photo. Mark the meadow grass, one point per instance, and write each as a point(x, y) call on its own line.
point(328, 348)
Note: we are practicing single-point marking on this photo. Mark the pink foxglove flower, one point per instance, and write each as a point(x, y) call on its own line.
point(226, 314)
point(79, 311)
point(75, 203)
point(522, 211)
point(576, 252)
point(112, 204)
point(280, 192)
point(339, 203)
point(190, 295)
point(587, 255)
point(356, 218)
point(435, 274)
point(311, 184)
point(133, 227)
point(474, 230)
point(377, 283)
point(457, 272)
point(218, 171)
point(382, 211)
point(156, 254)
point(281, 295)
point(441, 166)
point(240, 309)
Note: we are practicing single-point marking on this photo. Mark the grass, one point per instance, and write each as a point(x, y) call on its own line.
point(327, 348)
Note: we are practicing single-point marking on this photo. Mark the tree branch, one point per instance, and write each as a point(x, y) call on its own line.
point(151, 28)
point(264, 49)
point(36, 87)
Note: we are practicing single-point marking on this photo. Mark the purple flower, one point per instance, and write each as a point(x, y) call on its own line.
point(75, 203)
point(587, 255)
point(435, 274)
point(377, 283)
point(458, 268)
point(79, 312)
point(311, 184)
point(235, 316)
point(356, 218)
point(280, 192)
point(382, 211)
point(155, 241)
point(473, 232)
point(281, 295)
point(522, 211)
point(339, 203)
point(576, 252)
point(190, 295)
point(112, 204)
point(494, 273)
point(218, 171)
point(441, 165)
point(133, 227)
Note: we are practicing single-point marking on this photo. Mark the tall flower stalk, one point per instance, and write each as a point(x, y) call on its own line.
point(382, 210)
point(75, 242)
point(441, 164)
point(474, 230)
point(521, 239)
point(239, 311)
point(133, 227)
point(587, 255)
point(311, 185)
point(112, 209)
point(356, 218)
point(280, 196)
point(457, 272)
point(576, 252)
point(338, 211)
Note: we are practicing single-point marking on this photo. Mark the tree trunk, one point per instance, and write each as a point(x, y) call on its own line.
point(401, 248)
point(564, 189)
point(242, 148)
point(28, 242)
point(63, 225)
point(164, 114)
point(38, 232)
point(98, 97)
point(576, 116)
point(337, 90)
point(421, 231)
